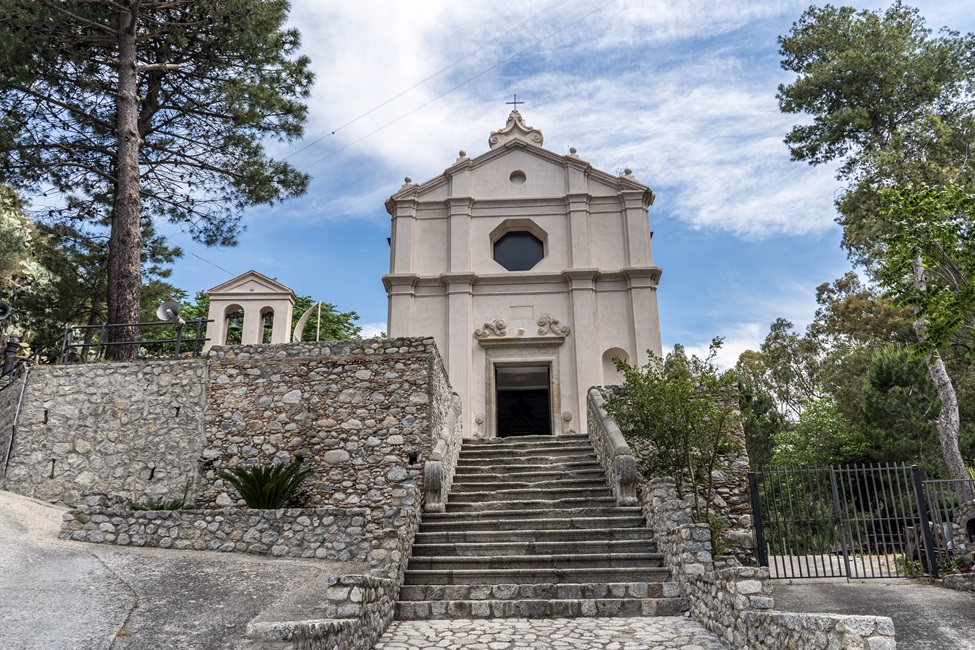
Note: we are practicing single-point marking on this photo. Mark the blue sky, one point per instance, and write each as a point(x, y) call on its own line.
point(683, 93)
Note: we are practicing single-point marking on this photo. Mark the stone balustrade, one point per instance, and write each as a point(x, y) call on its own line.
point(611, 449)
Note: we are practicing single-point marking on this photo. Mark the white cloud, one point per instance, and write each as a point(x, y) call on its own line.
point(370, 330)
point(738, 337)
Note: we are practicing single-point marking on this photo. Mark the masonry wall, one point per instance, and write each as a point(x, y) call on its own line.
point(362, 414)
point(9, 393)
point(131, 429)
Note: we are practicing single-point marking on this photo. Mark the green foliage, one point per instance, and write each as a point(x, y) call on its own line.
point(269, 487)
point(900, 404)
point(211, 81)
point(334, 325)
point(686, 410)
point(821, 437)
point(867, 78)
point(932, 227)
point(761, 422)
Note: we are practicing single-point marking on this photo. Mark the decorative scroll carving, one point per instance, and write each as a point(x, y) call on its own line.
point(566, 427)
point(479, 429)
point(495, 327)
point(549, 325)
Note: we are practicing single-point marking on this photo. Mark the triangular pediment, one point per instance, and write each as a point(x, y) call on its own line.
point(517, 152)
point(251, 283)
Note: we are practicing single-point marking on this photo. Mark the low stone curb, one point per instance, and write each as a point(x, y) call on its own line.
point(373, 536)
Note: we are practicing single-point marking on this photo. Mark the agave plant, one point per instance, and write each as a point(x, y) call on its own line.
point(267, 487)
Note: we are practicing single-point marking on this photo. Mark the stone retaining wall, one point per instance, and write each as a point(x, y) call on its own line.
point(377, 537)
point(364, 415)
point(133, 429)
point(735, 602)
point(361, 608)
point(9, 394)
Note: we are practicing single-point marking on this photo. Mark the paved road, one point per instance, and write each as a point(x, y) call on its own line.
point(649, 633)
point(926, 616)
point(60, 595)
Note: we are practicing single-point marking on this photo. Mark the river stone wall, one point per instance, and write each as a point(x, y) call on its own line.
point(735, 602)
point(9, 394)
point(131, 429)
point(375, 538)
point(362, 414)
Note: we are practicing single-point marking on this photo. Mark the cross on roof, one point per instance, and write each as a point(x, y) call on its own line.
point(515, 102)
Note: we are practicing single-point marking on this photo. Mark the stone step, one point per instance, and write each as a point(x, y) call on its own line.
point(467, 536)
point(538, 562)
point(494, 453)
point(499, 548)
point(464, 487)
point(530, 505)
point(527, 441)
point(610, 607)
point(549, 591)
point(540, 495)
point(561, 470)
point(506, 463)
point(530, 478)
point(528, 520)
point(534, 575)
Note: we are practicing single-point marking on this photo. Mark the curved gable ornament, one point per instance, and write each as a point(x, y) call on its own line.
point(497, 327)
point(549, 325)
point(515, 129)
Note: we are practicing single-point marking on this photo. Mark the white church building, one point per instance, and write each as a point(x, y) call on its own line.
point(532, 270)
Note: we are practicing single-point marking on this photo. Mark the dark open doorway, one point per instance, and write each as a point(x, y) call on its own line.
point(523, 401)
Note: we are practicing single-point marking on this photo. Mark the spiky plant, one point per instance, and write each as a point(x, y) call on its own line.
point(267, 487)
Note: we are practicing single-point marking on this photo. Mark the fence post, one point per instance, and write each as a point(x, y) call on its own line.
point(760, 546)
point(179, 338)
point(922, 510)
point(839, 508)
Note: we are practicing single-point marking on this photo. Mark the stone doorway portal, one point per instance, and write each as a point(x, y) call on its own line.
point(523, 400)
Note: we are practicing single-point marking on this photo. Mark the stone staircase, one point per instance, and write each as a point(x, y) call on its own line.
point(532, 530)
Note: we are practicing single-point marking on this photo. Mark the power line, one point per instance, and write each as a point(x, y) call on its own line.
point(428, 78)
point(460, 85)
point(208, 262)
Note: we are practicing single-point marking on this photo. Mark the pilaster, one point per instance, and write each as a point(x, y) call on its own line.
point(642, 287)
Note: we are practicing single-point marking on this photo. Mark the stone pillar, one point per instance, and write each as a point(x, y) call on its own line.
point(400, 289)
point(253, 330)
point(459, 349)
point(459, 210)
point(403, 214)
point(585, 331)
point(636, 232)
point(642, 287)
point(578, 207)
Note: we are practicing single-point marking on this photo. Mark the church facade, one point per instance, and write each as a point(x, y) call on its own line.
point(532, 270)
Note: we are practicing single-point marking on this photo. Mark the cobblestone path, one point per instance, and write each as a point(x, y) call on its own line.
point(647, 633)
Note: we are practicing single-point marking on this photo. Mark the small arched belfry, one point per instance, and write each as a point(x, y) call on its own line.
point(531, 270)
point(259, 307)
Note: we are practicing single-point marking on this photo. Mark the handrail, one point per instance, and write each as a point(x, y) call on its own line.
point(198, 337)
point(613, 452)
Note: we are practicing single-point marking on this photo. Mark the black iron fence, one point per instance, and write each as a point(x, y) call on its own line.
point(857, 522)
point(88, 343)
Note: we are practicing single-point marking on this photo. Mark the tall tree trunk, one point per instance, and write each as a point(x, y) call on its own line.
point(125, 241)
point(948, 421)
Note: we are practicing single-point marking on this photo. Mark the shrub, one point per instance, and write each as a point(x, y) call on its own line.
point(267, 487)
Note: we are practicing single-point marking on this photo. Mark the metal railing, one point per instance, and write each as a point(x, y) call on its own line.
point(189, 338)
